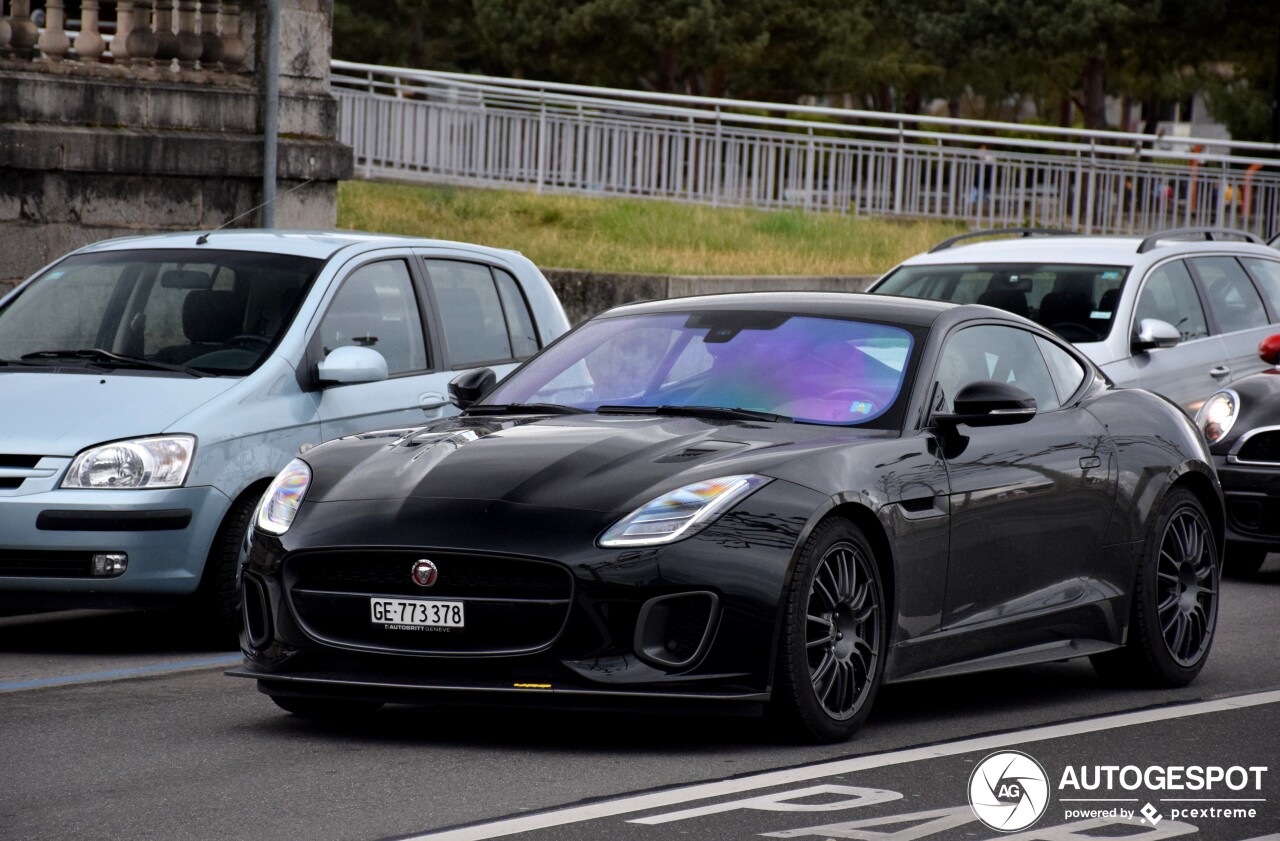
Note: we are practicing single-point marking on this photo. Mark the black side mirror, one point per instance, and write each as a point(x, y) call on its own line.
point(469, 386)
point(989, 403)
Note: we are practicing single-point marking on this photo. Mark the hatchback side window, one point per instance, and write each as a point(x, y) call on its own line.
point(377, 308)
point(475, 322)
point(524, 338)
point(1002, 354)
point(1233, 300)
point(1170, 295)
point(1267, 273)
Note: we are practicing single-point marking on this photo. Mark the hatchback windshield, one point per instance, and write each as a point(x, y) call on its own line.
point(1077, 302)
point(820, 370)
point(209, 311)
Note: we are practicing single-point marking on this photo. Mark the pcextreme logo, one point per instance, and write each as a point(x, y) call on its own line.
point(1008, 791)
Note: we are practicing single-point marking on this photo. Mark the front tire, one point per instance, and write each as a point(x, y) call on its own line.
point(1175, 600)
point(831, 651)
point(220, 593)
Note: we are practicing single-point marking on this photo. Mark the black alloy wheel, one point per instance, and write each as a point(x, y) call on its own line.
point(1175, 600)
point(832, 651)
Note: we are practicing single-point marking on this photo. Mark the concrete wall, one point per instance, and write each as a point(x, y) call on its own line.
point(585, 293)
point(93, 151)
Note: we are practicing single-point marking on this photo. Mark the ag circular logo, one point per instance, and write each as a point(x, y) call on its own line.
point(1008, 791)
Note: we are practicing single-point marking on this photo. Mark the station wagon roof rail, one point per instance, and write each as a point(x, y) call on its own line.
point(1023, 232)
point(1209, 234)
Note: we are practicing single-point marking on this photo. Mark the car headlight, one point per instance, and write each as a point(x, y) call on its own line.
point(280, 503)
point(680, 513)
point(159, 462)
point(1218, 415)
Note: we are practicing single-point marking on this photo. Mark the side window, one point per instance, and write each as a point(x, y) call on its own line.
point(1232, 298)
point(1066, 372)
point(524, 338)
point(1267, 273)
point(475, 326)
point(376, 308)
point(1170, 295)
point(1002, 354)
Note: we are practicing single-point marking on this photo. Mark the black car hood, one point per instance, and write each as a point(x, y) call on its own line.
point(586, 462)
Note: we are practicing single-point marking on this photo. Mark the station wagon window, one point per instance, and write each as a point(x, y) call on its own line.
point(1234, 302)
point(1170, 295)
point(1000, 354)
point(376, 308)
point(484, 314)
point(1267, 273)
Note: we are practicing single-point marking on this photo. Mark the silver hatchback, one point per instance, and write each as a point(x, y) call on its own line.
point(1179, 312)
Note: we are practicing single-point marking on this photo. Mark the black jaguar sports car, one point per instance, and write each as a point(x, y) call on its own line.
point(1242, 425)
point(768, 502)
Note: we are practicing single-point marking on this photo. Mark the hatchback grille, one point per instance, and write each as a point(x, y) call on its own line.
point(511, 605)
point(19, 462)
point(1263, 447)
point(41, 563)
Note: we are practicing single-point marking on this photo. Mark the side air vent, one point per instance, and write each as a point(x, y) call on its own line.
point(697, 451)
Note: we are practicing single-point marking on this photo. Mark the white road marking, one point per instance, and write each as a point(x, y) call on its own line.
point(767, 779)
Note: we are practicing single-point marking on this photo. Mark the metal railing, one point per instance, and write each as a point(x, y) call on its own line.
point(484, 131)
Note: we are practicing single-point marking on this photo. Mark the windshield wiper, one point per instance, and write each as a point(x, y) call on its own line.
point(523, 409)
point(719, 412)
point(99, 355)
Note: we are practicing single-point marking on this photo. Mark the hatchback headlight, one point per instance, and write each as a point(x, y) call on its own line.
point(280, 503)
point(159, 462)
point(680, 513)
point(1218, 415)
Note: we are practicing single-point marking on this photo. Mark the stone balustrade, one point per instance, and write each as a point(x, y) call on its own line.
point(190, 39)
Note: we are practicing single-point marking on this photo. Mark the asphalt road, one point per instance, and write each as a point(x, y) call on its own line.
point(122, 726)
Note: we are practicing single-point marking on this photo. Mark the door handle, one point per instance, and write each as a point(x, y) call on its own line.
point(432, 400)
point(1220, 372)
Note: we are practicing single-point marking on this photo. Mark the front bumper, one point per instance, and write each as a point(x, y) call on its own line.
point(1252, 495)
point(47, 537)
point(692, 621)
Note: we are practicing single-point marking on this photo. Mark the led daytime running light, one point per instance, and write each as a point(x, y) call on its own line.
point(284, 496)
point(680, 513)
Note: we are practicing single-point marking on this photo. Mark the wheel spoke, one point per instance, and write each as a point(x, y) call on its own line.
point(1180, 633)
point(826, 595)
point(1167, 603)
point(828, 660)
point(830, 638)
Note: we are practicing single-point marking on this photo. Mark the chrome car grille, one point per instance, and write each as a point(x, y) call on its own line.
point(512, 605)
point(1262, 448)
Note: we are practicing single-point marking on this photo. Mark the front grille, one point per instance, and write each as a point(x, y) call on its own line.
point(1263, 447)
point(18, 462)
point(511, 605)
point(39, 563)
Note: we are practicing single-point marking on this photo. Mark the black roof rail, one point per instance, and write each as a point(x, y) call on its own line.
point(1022, 232)
point(1208, 233)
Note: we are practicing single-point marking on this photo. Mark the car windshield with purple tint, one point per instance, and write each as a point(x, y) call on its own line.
point(810, 369)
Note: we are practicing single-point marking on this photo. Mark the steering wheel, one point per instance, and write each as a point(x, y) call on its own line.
point(248, 339)
point(1066, 329)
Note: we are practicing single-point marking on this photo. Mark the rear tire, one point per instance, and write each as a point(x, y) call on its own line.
point(1175, 600)
point(1243, 560)
point(832, 647)
point(324, 708)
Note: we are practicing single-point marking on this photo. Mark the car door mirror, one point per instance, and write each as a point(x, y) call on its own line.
point(989, 403)
point(351, 364)
point(1154, 333)
point(469, 386)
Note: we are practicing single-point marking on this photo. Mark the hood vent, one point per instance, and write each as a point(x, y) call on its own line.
point(697, 451)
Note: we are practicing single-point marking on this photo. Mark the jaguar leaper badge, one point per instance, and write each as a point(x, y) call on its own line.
point(424, 573)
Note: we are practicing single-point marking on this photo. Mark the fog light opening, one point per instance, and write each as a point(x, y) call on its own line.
point(673, 632)
point(108, 564)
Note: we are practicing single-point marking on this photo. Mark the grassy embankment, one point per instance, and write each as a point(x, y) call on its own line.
point(643, 236)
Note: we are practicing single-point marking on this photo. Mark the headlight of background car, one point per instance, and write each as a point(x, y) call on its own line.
point(160, 462)
point(1218, 415)
point(680, 513)
point(280, 503)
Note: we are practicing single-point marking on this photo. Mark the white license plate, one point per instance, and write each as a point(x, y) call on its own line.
point(409, 614)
